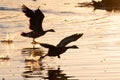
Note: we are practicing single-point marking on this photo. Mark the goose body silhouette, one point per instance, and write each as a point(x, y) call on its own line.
point(36, 19)
point(61, 47)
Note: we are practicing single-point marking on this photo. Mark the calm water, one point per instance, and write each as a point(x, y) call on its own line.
point(98, 56)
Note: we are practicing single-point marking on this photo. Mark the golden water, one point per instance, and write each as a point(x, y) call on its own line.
point(97, 58)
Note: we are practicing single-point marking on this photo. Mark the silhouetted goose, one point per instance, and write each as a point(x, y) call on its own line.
point(36, 19)
point(61, 47)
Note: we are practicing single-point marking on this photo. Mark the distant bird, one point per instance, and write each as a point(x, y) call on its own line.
point(36, 19)
point(61, 47)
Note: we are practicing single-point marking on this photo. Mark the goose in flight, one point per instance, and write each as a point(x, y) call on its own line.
point(61, 47)
point(36, 18)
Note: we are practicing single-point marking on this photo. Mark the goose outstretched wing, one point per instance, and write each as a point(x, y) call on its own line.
point(69, 39)
point(47, 45)
point(28, 12)
point(36, 18)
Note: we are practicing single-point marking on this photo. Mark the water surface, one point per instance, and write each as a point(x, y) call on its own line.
point(97, 58)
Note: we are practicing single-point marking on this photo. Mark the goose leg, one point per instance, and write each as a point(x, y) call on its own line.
point(34, 42)
point(42, 57)
point(58, 56)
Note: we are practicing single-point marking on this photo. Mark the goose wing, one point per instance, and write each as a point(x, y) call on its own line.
point(36, 23)
point(69, 39)
point(36, 18)
point(47, 45)
point(28, 12)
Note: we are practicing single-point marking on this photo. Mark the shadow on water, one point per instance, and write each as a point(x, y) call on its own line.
point(108, 5)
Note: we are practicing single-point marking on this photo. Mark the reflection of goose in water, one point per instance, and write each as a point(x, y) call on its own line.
point(35, 70)
point(32, 54)
point(57, 75)
point(61, 47)
point(36, 19)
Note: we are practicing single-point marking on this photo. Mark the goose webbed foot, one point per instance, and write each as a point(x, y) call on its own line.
point(58, 56)
point(34, 42)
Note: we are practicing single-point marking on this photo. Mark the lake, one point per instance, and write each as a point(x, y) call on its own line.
point(98, 56)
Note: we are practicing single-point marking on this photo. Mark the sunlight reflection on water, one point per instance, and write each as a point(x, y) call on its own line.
point(98, 55)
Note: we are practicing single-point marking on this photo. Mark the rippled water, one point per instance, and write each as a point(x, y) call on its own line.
point(97, 58)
